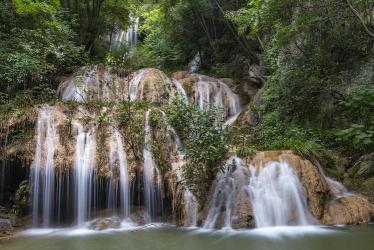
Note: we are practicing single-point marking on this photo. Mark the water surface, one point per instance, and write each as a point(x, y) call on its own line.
point(170, 238)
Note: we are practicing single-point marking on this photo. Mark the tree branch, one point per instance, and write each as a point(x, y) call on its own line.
point(361, 19)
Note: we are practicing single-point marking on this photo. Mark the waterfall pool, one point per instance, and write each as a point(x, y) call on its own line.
point(157, 237)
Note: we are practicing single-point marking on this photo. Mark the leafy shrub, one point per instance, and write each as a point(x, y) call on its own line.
point(206, 143)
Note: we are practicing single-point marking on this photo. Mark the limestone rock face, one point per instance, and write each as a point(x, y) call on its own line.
point(348, 210)
point(104, 83)
point(96, 82)
point(151, 85)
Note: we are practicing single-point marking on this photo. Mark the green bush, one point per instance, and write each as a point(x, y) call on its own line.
point(206, 143)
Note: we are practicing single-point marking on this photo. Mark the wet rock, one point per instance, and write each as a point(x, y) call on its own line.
point(242, 213)
point(106, 223)
point(229, 201)
point(348, 210)
point(5, 227)
point(139, 217)
point(180, 75)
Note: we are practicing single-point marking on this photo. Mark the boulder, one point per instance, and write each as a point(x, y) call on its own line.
point(348, 210)
point(106, 223)
point(139, 217)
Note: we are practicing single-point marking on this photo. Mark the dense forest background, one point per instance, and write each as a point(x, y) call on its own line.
point(314, 60)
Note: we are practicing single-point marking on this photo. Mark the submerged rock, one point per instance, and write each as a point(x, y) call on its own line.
point(106, 223)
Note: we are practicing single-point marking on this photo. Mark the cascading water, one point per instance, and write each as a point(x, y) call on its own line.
point(151, 176)
point(276, 195)
point(130, 37)
point(181, 92)
point(336, 188)
point(134, 84)
point(195, 63)
point(190, 202)
point(221, 202)
point(42, 172)
point(70, 90)
point(84, 171)
point(211, 92)
point(119, 175)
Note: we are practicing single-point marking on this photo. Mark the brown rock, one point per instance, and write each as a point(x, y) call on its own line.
point(180, 75)
point(106, 223)
point(348, 210)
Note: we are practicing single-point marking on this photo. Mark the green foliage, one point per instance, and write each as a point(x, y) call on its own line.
point(205, 140)
point(130, 120)
point(177, 30)
point(93, 21)
point(274, 134)
point(314, 50)
point(358, 117)
point(36, 45)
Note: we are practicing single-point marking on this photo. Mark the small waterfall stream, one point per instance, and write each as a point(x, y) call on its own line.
point(191, 204)
point(277, 196)
point(151, 176)
point(84, 171)
point(215, 93)
point(43, 172)
point(221, 202)
point(119, 179)
point(181, 92)
point(128, 37)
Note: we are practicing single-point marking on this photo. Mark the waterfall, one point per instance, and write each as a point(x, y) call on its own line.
point(118, 164)
point(190, 202)
point(84, 171)
point(191, 208)
point(130, 37)
point(221, 202)
point(195, 63)
point(211, 92)
point(181, 92)
point(132, 32)
point(151, 176)
point(134, 84)
point(336, 188)
point(72, 90)
point(276, 195)
point(42, 172)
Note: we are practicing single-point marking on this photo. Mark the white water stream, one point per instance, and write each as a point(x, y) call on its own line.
point(277, 196)
point(43, 170)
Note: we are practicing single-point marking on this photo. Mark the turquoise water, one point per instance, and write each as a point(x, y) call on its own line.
point(170, 238)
